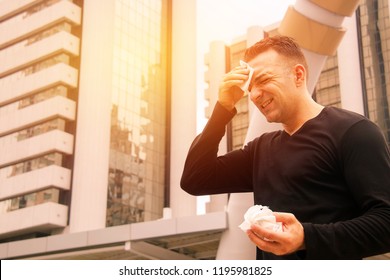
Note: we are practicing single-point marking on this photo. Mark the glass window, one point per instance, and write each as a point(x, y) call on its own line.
point(31, 165)
point(138, 112)
point(327, 91)
point(373, 17)
point(33, 131)
point(31, 199)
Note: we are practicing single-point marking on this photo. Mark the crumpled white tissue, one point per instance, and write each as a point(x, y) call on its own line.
point(245, 85)
point(262, 216)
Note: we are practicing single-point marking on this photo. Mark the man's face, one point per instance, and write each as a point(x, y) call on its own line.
point(272, 88)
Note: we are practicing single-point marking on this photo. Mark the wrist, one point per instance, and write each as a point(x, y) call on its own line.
point(227, 106)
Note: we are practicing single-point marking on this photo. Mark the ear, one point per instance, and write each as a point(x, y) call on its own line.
point(300, 75)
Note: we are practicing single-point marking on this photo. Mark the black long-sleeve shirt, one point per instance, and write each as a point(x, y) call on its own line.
point(333, 174)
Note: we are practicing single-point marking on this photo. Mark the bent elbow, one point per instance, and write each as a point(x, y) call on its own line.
point(188, 186)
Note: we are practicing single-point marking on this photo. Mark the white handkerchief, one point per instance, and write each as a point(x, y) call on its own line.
point(262, 216)
point(245, 85)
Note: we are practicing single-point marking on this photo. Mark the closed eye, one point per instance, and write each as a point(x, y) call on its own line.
point(260, 81)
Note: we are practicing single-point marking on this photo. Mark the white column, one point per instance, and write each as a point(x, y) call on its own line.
point(183, 112)
point(234, 243)
point(253, 35)
point(349, 69)
point(90, 175)
point(216, 61)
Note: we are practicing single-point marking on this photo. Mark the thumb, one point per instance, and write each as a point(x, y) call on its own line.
point(285, 218)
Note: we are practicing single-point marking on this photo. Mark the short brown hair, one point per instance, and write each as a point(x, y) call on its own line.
point(283, 45)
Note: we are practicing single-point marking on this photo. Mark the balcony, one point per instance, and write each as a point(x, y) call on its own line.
point(42, 217)
point(33, 181)
point(57, 106)
point(55, 140)
point(58, 74)
point(58, 43)
point(11, 32)
point(8, 8)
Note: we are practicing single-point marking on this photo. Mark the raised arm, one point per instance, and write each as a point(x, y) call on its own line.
point(206, 173)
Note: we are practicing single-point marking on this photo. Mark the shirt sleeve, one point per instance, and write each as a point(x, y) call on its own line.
point(207, 173)
point(365, 161)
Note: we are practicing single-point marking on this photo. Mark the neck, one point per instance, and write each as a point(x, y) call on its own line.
point(306, 110)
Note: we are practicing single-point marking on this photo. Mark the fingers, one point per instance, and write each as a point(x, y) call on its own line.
point(236, 77)
point(229, 90)
point(266, 234)
point(231, 83)
point(264, 243)
point(238, 74)
point(285, 218)
point(290, 240)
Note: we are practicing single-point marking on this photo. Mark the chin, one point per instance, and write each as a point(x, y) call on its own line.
point(271, 120)
point(269, 117)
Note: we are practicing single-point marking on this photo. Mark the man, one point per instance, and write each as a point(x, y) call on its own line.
point(326, 174)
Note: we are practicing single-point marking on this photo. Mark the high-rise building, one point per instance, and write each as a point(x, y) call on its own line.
point(40, 58)
point(372, 33)
point(88, 104)
point(373, 28)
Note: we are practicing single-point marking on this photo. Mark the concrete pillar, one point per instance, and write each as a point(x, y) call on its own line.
point(89, 192)
point(183, 106)
point(349, 69)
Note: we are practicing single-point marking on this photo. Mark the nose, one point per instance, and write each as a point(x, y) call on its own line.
point(256, 94)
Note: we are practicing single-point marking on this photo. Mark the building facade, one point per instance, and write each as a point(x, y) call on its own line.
point(136, 92)
point(374, 34)
point(94, 125)
point(87, 109)
point(138, 142)
point(372, 30)
point(40, 56)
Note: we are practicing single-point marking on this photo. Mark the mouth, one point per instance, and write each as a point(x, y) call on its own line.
point(266, 103)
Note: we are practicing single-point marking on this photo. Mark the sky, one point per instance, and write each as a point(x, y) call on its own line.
point(224, 20)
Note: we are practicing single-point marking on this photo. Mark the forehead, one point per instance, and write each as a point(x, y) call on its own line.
point(268, 62)
point(267, 58)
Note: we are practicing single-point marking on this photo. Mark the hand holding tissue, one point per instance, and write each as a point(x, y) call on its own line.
point(262, 216)
point(245, 85)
